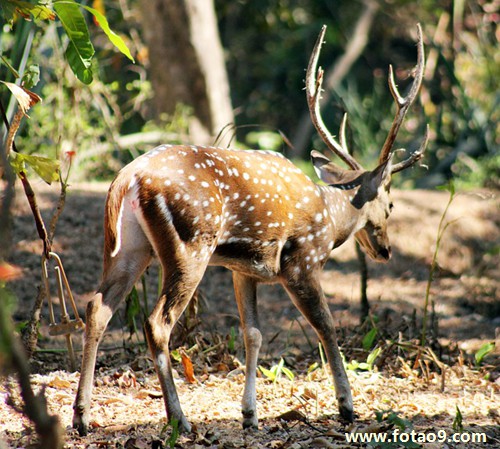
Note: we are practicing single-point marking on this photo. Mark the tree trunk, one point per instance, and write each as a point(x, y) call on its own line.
point(187, 63)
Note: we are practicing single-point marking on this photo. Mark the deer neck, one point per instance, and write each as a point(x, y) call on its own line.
point(345, 217)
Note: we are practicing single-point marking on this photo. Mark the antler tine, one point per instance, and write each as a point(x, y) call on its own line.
point(414, 157)
point(404, 103)
point(313, 90)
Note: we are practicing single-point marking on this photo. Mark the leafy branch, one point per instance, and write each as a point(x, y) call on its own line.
point(80, 51)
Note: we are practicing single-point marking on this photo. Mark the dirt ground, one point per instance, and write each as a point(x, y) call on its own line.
point(128, 409)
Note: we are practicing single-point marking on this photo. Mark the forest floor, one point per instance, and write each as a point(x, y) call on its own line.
point(438, 393)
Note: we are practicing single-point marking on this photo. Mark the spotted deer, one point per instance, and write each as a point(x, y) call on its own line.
point(253, 212)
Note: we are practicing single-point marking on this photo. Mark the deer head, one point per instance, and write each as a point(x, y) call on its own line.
point(372, 198)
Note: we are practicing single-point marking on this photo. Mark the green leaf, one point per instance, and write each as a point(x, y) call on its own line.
point(458, 425)
point(483, 352)
point(312, 368)
point(369, 339)
point(80, 50)
point(16, 162)
point(26, 10)
point(373, 356)
point(31, 76)
point(395, 419)
point(9, 65)
point(288, 373)
point(232, 340)
point(116, 40)
point(174, 436)
point(353, 365)
point(47, 169)
point(132, 309)
point(176, 355)
point(271, 375)
point(8, 11)
point(449, 187)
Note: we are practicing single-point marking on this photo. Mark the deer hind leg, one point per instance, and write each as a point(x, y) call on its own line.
point(179, 285)
point(245, 292)
point(308, 297)
point(119, 277)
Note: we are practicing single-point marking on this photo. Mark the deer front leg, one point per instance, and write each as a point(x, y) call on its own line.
point(308, 297)
point(245, 292)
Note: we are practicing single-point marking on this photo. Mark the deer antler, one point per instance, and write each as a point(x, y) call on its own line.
point(313, 90)
point(415, 156)
point(402, 105)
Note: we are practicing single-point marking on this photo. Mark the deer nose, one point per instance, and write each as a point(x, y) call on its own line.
point(385, 253)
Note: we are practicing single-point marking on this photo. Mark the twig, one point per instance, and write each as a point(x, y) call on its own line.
point(35, 405)
point(40, 226)
point(441, 230)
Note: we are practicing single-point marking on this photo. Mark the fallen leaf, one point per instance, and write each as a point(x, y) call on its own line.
point(9, 272)
point(136, 443)
point(309, 394)
point(126, 379)
point(335, 434)
point(292, 415)
point(188, 368)
point(143, 394)
point(322, 443)
point(57, 382)
point(94, 424)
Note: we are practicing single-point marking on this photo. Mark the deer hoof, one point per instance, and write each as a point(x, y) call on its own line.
point(346, 413)
point(81, 423)
point(184, 426)
point(250, 420)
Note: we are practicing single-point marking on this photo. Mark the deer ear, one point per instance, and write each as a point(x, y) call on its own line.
point(331, 173)
point(381, 176)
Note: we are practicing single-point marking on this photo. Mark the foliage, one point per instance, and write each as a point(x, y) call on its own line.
point(174, 435)
point(369, 338)
point(132, 310)
point(47, 169)
point(394, 420)
point(269, 42)
point(267, 47)
point(354, 365)
point(483, 351)
point(275, 372)
point(79, 50)
point(231, 343)
point(458, 421)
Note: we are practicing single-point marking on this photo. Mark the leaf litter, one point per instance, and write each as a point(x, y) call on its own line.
point(426, 389)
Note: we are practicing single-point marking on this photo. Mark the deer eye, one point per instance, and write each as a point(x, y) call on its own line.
point(391, 206)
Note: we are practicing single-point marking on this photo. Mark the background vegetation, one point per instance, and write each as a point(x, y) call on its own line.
point(266, 45)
